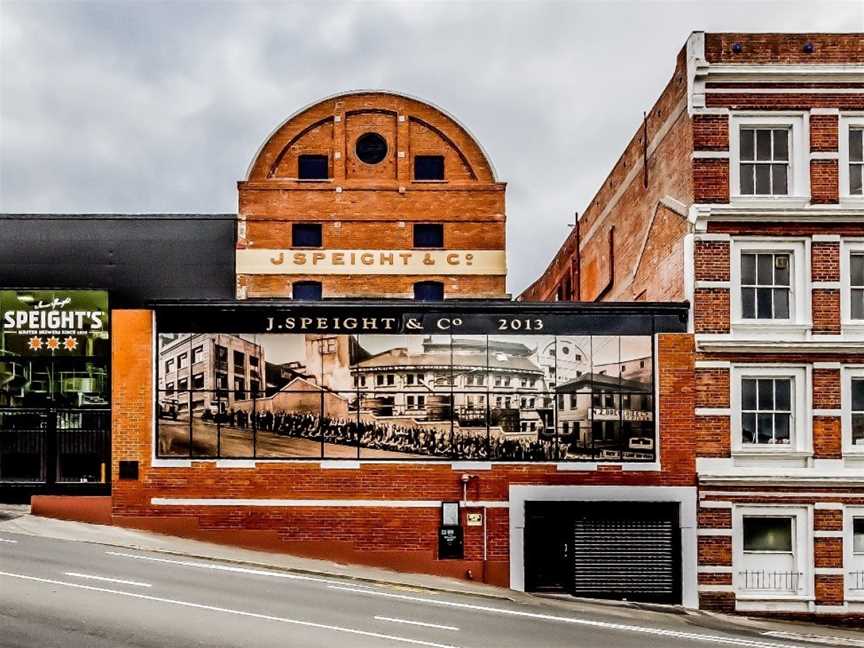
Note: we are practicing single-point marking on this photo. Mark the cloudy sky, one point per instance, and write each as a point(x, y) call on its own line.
point(159, 106)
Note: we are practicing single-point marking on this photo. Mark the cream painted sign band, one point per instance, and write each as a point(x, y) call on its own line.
point(376, 262)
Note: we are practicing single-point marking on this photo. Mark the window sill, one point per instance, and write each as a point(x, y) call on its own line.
point(770, 201)
point(771, 328)
point(772, 453)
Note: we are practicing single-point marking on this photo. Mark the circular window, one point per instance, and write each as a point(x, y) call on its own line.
point(371, 148)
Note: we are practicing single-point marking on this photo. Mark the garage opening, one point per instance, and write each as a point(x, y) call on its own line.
point(612, 550)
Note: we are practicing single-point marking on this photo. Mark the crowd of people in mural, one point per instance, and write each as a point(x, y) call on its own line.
point(409, 439)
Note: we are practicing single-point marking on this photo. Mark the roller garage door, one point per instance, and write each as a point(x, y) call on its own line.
point(616, 550)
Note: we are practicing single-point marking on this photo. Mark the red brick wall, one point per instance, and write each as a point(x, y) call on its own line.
point(711, 310)
point(711, 260)
point(365, 206)
point(824, 182)
point(825, 261)
point(354, 533)
point(710, 132)
point(712, 388)
point(711, 180)
point(823, 132)
point(784, 48)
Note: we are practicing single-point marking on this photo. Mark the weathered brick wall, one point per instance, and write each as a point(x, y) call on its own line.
point(784, 48)
point(624, 204)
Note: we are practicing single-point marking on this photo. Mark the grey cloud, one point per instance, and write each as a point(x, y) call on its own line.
point(159, 106)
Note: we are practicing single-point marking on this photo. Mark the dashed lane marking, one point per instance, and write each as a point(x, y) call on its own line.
point(416, 623)
point(107, 580)
point(661, 632)
point(240, 613)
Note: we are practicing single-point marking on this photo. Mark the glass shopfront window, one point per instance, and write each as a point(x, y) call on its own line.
point(408, 397)
point(54, 387)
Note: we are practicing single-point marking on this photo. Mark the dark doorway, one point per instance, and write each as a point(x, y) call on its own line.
point(613, 550)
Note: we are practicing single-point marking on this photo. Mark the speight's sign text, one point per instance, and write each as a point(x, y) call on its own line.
point(50, 317)
point(334, 262)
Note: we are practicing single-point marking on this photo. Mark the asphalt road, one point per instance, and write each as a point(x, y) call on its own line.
point(76, 594)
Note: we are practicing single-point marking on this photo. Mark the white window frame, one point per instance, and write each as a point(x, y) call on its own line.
point(800, 316)
point(798, 177)
point(851, 561)
point(847, 120)
point(800, 429)
point(846, 375)
point(847, 247)
point(802, 549)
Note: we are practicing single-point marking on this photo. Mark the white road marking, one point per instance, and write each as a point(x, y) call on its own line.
point(108, 580)
point(813, 638)
point(242, 613)
point(416, 623)
point(228, 568)
point(732, 641)
point(9, 541)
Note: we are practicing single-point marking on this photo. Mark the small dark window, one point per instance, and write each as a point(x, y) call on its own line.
point(306, 234)
point(307, 290)
point(428, 167)
point(768, 534)
point(371, 148)
point(428, 235)
point(128, 470)
point(429, 291)
point(312, 167)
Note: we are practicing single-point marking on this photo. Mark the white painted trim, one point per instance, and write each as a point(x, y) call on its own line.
point(713, 411)
point(689, 277)
point(824, 155)
point(847, 248)
point(795, 495)
point(339, 464)
point(802, 545)
point(827, 534)
point(708, 237)
point(851, 560)
point(825, 111)
point(685, 496)
point(800, 312)
point(737, 344)
point(827, 412)
point(846, 121)
point(723, 533)
point(769, 91)
point(712, 364)
point(713, 504)
point(714, 569)
point(170, 463)
point(712, 284)
point(828, 506)
point(798, 180)
point(709, 155)
point(847, 375)
point(495, 504)
point(801, 440)
point(471, 465)
point(829, 571)
point(715, 588)
point(827, 365)
point(826, 238)
point(832, 609)
point(235, 463)
point(294, 503)
point(825, 285)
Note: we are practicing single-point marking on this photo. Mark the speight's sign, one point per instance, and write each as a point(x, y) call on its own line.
point(35, 322)
point(340, 262)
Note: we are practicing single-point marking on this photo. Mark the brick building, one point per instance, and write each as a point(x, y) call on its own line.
point(334, 405)
point(741, 193)
point(371, 194)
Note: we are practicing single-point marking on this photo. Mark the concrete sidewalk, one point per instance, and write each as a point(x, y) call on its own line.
point(17, 520)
